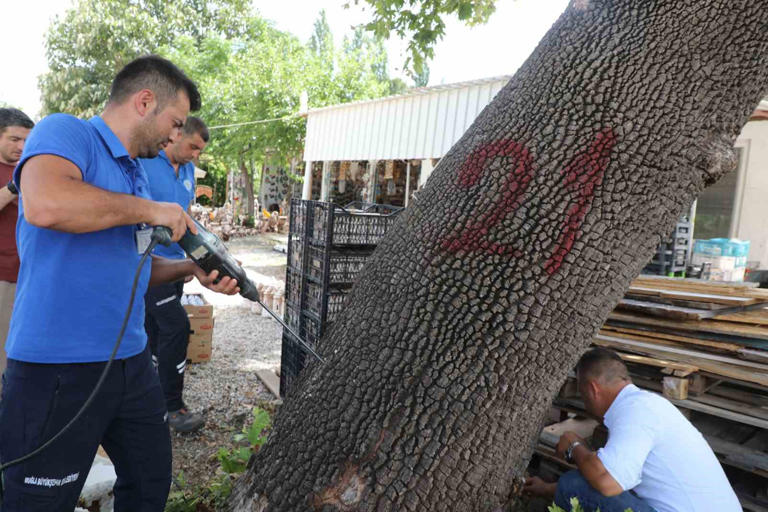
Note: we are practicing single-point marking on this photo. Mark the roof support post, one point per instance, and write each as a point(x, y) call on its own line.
point(325, 187)
point(306, 191)
point(407, 182)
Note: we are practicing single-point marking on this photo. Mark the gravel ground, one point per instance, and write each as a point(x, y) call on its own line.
point(226, 389)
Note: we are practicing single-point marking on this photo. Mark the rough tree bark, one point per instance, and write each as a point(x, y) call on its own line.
point(460, 330)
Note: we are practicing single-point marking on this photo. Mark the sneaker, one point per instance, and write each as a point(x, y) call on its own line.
point(185, 421)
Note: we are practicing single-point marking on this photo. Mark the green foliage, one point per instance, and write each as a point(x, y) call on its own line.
point(422, 23)
point(421, 79)
point(246, 71)
point(575, 507)
point(88, 44)
point(232, 462)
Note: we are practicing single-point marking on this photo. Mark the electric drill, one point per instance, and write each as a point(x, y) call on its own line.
point(209, 253)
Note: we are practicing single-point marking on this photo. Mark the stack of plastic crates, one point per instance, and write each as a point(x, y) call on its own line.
point(672, 254)
point(328, 245)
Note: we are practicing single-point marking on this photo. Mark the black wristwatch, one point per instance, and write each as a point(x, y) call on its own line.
point(11, 186)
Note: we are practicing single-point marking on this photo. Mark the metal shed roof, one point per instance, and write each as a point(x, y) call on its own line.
point(422, 123)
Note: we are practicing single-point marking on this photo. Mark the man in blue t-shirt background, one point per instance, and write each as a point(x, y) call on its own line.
point(172, 179)
point(84, 215)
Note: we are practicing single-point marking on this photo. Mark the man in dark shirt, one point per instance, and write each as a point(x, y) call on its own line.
point(14, 128)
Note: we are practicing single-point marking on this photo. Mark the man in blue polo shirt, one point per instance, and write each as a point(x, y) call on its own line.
point(172, 179)
point(83, 211)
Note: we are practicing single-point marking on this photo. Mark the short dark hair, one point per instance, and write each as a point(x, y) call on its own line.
point(157, 74)
point(196, 125)
point(14, 117)
point(603, 365)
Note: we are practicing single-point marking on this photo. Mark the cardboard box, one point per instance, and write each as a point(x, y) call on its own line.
point(204, 311)
point(201, 328)
point(199, 349)
point(201, 324)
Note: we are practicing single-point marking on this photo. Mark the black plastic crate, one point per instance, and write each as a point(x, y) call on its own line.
point(324, 304)
point(293, 282)
point(292, 360)
point(335, 305)
point(311, 329)
point(298, 220)
point(334, 225)
point(292, 315)
point(384, 209)
point(342, 268)
point(295, 258)
point(314, 299)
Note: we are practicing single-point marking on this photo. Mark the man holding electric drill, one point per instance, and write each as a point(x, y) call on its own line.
point(85, 218)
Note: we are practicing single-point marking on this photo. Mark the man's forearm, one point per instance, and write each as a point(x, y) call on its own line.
point(5, 197)
point(594, 472)
point(165, 270)
point(78, 207)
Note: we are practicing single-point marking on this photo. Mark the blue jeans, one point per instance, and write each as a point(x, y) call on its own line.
point(572, 484)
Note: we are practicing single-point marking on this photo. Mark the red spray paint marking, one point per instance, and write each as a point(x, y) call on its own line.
point(583, 175)
point(474, 236)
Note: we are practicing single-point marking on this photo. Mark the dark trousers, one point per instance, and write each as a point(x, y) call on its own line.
point(127, 417)
point(167, 327)
point(573, 485)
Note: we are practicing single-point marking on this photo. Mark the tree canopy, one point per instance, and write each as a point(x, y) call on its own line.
point(422, 22)
point(250, 74)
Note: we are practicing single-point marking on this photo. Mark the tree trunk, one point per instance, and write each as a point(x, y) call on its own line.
point(465, 322)
point(248, 176)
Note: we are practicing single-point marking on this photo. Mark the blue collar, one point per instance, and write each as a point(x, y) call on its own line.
point(165, 157)
point(110, 139)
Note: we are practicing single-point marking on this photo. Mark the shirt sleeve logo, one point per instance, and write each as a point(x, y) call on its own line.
point(188, 185)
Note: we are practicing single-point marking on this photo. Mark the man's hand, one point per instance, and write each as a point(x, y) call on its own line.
point(6, 197)
point(172, 216)
point(566, 440)
point(535, 487)
point(227, 285)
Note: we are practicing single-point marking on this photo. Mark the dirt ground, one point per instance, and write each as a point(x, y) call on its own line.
point(226, 389)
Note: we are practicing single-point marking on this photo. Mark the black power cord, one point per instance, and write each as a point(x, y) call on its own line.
point(157, 237)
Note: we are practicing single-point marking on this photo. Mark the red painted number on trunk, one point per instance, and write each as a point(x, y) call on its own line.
point(474, 236)
point(582, 176)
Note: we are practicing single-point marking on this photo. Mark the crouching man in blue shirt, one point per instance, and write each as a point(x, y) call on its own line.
point(172, 178)
point(655, 459)
point(83, 212)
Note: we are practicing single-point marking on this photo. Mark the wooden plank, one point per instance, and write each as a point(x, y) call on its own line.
point(685, 404)
point(677, 312)
point(714, 326)
point(731, 405)
point(685, 369)
point(738, 395)
point(757, 317)
point(270, 380)
point(671, 339)
point(584, 427)
point(703, 361)
point(701, 297)
point(722, 413)
point(674, 387)
point(735, 454)
point(689, 355)
point(664, 310)
point(741, 288)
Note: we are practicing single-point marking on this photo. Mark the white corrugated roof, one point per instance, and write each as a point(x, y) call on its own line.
point(422, 123)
